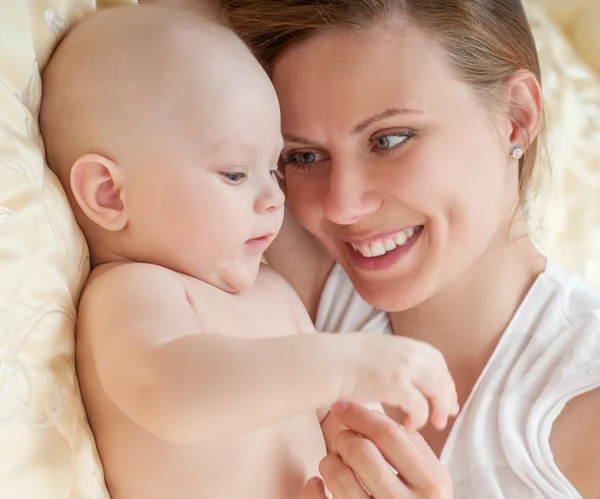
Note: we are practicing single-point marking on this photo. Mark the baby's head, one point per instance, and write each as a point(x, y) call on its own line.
point(165, 133)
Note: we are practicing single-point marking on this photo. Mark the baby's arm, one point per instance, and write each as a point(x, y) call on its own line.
point(186, 385)
point(183, 384)
point(330, 425)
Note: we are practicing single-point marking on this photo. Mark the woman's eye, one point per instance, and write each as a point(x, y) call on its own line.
point(234, 177)
point(390, 141)
point(307, 158)
point(301, 161)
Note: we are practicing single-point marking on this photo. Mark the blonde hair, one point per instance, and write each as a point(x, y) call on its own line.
point(486, 41)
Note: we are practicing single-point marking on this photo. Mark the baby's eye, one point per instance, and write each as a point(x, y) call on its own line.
point(391, 140)
point(234, 177)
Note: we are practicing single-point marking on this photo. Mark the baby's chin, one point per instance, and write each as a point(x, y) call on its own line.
point(234, 278)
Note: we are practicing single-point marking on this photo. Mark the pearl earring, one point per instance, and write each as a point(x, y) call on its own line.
point(516, 152)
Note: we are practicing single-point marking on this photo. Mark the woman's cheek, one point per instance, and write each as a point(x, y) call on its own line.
point(305, 198)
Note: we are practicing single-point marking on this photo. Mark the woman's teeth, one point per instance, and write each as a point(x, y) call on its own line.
point(382, 246)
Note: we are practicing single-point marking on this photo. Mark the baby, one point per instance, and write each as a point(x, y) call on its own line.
point(197, 365)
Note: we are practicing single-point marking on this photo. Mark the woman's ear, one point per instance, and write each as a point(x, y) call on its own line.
point(97, 186)
point(526, 110)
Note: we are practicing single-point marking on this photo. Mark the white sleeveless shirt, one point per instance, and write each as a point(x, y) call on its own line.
point(499, 446)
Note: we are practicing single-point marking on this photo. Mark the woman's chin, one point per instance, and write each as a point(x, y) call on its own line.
point(391, 294)
point(404, 284)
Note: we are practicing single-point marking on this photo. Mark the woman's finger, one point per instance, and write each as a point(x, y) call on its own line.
point(416, 469)
point(314, 489)
point(340, 479)
point(439, 478)
point(420, 443)
point(369, 466)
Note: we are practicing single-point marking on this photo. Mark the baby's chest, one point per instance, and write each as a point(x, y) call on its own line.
point(248, 315)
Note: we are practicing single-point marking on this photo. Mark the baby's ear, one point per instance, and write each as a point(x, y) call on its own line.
point(97, 186)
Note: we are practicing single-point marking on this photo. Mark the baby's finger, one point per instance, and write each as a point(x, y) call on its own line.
point(451, 396)
point(447, 407)
point(438, 386)
point(450, 391)
point(314, 489)
point(415, 405)
point(441, 410)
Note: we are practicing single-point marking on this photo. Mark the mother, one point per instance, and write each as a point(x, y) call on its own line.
point(412, 129)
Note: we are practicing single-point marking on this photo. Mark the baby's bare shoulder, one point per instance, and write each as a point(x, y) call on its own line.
point(125, 296)
point(278, 286)
point(114, 283)
point(136, 273)
point(272, 280)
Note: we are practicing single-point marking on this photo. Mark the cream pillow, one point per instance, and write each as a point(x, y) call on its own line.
point(562, 12)
point(585, 33)
point(566, 218)
point(579, 19)
point(46, 448)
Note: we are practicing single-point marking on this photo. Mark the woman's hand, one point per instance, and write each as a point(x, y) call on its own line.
point(365, 459)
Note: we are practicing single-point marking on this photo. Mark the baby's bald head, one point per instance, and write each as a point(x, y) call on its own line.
point(128, 74)
point(136, 101)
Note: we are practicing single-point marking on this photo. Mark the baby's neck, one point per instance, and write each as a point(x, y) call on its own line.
point(102, 254)
point(467, 319)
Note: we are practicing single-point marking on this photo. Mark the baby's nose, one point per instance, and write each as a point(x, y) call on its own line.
point(271, 198)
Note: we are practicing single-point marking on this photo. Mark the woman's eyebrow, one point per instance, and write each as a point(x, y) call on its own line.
point(299, 140)
point(363, 125)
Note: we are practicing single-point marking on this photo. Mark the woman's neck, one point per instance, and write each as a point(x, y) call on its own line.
point(466, 320)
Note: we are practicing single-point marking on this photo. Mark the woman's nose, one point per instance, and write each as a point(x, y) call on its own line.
point(349, 200)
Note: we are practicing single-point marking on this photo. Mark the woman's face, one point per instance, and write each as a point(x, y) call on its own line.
point(392, 163)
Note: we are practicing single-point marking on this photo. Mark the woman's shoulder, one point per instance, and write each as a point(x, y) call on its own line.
point(573, 384)
point(577, 298)
point(560, 302)
point(341, 308)
point(535, 397)
point(557, 329)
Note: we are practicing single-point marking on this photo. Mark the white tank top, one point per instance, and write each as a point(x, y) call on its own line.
point(499, 446)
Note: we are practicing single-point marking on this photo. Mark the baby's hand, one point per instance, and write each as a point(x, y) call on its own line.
point(406, 373)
